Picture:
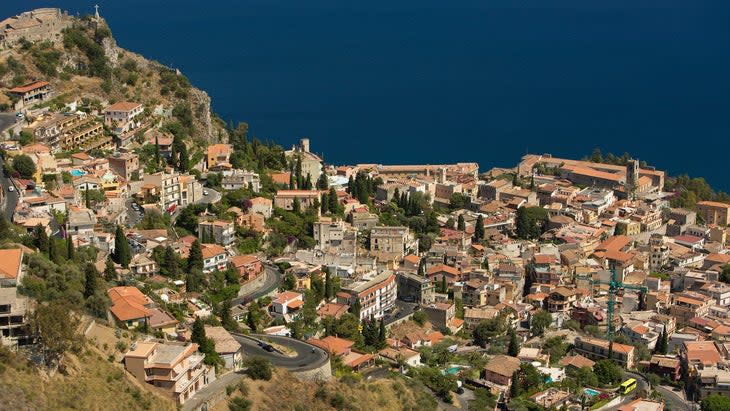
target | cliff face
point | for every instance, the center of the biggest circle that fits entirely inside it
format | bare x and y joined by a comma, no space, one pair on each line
85,62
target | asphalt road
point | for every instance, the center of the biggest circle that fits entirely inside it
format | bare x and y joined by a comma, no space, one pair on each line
212,197
10,198
272,280
673,400
308,356
6,121
133,216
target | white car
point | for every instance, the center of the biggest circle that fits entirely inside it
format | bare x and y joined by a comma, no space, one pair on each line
205,193
11,188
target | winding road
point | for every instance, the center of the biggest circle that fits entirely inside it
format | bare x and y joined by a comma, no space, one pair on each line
9,198
307,356
271,280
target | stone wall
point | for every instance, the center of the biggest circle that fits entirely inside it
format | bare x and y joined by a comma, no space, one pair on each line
34,25
321,373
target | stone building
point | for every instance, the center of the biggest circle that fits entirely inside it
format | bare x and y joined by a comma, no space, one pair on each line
34,25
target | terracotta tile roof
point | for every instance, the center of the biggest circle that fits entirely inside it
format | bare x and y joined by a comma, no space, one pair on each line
280,178
29,87
10,261
544,259
577,361
128,303
123,106
212,250
704,352
503,365
334,345
333,309
443,268
287,296
241,260
413,259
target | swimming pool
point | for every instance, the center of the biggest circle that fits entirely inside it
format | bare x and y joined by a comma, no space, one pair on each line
590,392
77,172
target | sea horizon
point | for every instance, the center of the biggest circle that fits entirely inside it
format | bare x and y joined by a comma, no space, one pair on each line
430,82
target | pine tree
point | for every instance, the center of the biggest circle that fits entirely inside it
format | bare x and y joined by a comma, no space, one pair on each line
70,250
40,239
460,224
91,282
110,273
122,252
195,257
479,229
198,332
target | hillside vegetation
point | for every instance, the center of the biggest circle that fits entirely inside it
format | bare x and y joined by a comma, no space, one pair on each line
88,382
87,64
285,393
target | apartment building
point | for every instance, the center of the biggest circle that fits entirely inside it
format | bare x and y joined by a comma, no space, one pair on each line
217,231
415,288
11,267
170,190
32,93
688,305
714,380
175,368
215,258
248,266
122,117
219,157
376,294
124,164
561,299
87,133
14,330
238,179
713,212
596,349
334,235
391,243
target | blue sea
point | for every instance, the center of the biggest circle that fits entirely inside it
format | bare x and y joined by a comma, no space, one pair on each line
442,81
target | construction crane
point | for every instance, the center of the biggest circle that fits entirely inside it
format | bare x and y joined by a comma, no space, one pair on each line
614,286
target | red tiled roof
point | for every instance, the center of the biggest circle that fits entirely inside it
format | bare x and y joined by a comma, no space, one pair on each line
29,87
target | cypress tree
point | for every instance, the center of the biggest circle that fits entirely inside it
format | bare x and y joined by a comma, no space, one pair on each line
172,266
460,224
381,334
323,204
514,344
53,251
322,183
41,239
296,205
184,161
157,152
70,251
198,332
91,282
328,286
334,203
514,388
308,182
195,258
355,308
122,252
479,229
444,287
110,273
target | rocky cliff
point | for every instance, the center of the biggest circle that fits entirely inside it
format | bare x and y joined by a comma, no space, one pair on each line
84,63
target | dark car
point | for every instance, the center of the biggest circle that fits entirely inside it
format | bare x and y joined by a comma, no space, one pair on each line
268,348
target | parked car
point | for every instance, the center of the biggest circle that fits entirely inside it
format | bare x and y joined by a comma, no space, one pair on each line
11,188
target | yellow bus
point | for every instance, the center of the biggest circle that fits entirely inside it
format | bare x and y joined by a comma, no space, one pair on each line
627,386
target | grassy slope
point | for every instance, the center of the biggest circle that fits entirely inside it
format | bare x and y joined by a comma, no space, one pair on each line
284,392
91,383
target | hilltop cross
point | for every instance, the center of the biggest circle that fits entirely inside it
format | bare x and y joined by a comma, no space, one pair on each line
96,14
